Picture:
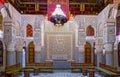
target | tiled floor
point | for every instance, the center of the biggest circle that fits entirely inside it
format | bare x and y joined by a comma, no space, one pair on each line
60,74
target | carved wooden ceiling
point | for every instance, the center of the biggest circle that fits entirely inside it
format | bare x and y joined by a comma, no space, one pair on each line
86,7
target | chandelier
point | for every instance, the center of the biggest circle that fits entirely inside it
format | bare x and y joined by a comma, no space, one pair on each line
58,17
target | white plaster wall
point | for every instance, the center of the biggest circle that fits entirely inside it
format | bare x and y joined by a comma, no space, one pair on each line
102,19
15,17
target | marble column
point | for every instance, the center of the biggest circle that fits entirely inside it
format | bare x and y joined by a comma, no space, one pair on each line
19,54
99,54
81,55
109,58
109,54
37,57
115,58
18,57
76,52
116,63
99,57
115,54
39,54
11,58
11,54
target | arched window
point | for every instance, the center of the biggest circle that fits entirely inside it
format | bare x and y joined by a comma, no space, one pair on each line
29,30
90,31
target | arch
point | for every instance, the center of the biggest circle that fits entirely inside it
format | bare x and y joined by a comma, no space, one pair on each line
29,31
31,52
87,52
90,31
119,53
1,53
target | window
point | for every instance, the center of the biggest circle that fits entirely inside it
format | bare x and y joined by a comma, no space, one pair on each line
29,31
90,31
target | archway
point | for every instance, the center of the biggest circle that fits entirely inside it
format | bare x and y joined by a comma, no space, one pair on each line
119,53
90,31
87,52
31,53
1,53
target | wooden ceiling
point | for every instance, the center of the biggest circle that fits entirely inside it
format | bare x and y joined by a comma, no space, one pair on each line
86,7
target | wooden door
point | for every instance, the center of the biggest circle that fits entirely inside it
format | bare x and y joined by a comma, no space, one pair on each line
31,52
87,53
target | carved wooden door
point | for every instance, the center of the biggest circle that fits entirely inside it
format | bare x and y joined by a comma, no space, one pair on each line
31,52
87,53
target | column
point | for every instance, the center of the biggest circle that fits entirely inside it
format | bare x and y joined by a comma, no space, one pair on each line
109,39
37,54
99,57
40,55
10,40
18,57
109,54
76,52
19,54
38,43
11,54
99,54
116,54
81,56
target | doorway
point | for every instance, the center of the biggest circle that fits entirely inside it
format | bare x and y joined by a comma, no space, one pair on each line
87,52
31,52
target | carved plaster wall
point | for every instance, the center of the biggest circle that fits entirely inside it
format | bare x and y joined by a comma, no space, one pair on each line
60,41
60,45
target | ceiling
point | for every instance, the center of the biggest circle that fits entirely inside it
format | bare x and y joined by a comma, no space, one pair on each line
40,6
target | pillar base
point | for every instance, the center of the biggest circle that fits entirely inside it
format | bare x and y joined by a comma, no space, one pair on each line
11,58
109,58
99,58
